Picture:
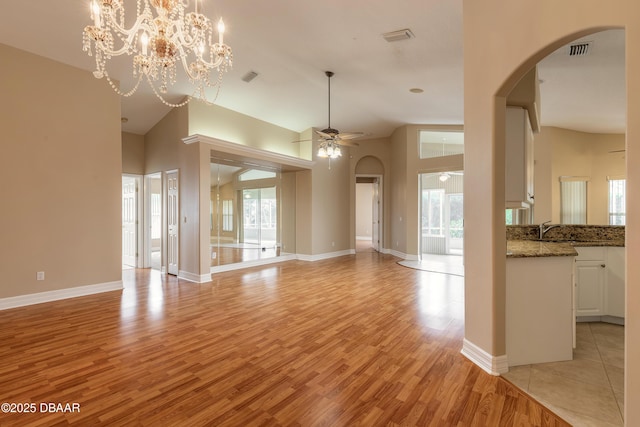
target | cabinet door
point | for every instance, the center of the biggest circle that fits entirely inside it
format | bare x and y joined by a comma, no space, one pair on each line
518,159
590,288
615,282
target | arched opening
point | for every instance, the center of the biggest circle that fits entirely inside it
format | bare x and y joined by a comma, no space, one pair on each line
369,233
570,152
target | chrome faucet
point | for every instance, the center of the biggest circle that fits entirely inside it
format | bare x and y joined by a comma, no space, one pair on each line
543,229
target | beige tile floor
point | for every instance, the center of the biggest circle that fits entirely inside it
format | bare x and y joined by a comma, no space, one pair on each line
588,390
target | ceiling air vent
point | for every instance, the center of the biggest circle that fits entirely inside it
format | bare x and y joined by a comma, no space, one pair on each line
579,49
395,36
249,76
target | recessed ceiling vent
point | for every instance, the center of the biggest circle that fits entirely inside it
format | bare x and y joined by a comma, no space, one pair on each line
579,49
395,36
249,76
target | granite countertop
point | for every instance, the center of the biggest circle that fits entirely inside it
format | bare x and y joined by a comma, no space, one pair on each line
583,243
543,248
536,248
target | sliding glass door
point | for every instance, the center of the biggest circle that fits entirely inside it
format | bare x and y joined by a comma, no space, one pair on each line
441,214
259,216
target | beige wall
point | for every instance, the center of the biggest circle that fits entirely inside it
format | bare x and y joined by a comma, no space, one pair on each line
330,201
62,172
221,123
132,153
288,212
304,212
564,152
502,41
163,142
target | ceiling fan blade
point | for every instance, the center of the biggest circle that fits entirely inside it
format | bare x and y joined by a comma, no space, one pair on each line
617,151
350,135
348,143
301,140
323,134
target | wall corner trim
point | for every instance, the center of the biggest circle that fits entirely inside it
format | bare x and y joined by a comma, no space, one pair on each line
59,294
494,365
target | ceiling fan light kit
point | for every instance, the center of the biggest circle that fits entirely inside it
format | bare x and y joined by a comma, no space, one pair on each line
158,42
331,138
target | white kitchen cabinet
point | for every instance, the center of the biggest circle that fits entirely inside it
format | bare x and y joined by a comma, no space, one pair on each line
600,282
590,288
614,295
518,159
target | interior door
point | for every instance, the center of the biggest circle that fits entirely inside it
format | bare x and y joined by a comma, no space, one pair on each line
375,216
129,221
173,222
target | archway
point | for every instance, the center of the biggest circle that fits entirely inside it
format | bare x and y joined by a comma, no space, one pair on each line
526,34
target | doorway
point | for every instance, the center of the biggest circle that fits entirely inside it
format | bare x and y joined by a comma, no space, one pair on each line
130,223
368,213
441,220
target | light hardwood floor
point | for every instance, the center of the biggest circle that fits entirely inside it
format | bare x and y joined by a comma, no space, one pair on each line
355,340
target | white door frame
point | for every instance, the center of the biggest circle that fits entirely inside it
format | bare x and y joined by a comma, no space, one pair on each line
138,215
379,245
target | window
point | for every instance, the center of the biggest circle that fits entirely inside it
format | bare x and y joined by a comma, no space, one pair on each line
510,217
573,200
440,144
227,215
617,201
432,208
253,174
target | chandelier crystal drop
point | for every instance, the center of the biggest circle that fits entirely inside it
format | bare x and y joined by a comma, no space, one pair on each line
158,42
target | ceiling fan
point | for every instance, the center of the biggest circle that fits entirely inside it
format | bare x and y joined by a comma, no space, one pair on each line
444,176
333,135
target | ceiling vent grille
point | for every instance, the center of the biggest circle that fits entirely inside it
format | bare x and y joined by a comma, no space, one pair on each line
395,36
579,49
249,76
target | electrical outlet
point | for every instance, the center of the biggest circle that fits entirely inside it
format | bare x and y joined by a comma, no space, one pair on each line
40,275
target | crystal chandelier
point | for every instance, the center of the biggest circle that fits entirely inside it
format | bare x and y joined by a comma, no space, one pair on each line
157,44
330,149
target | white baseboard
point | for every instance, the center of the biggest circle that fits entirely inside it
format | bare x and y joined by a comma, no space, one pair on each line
406,257
254,263
59,294
327,255
195,278
364,238
491,364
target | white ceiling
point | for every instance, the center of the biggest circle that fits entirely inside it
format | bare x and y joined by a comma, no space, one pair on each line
290,43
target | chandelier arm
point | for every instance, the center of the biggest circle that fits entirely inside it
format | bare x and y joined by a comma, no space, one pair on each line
131,33
219,58
146,15
188,40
